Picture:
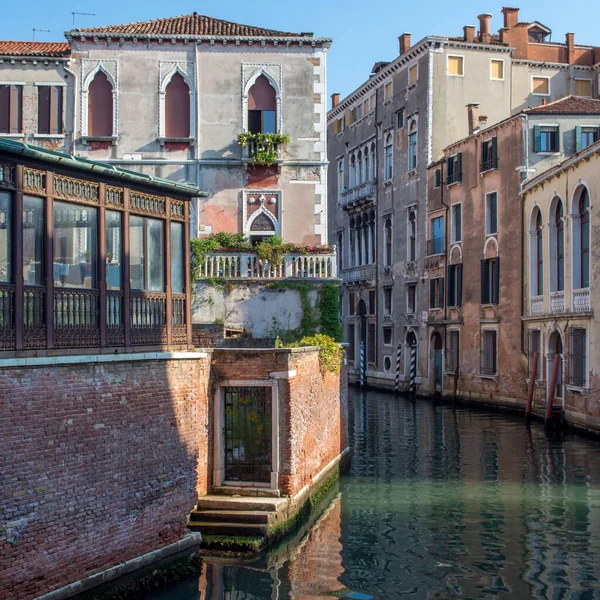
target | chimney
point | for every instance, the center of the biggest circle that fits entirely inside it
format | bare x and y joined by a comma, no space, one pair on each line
335,100
511,17
469,33
504,35
570,41
473,117
404,40
543,101
484,28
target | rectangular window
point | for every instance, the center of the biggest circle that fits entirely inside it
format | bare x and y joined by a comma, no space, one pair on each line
177,275
437,178
452,351
455,285
585,136
454,169
535,345
456,65
436,292
411,298
387,336
436,243
366,106
33,240
456,222
496,69
5,237
412,151
489,355
489,155
577,357
388,161
546,138
11,109
400,119
351,329
540,86
75,245
50,109
387,300
490,281
114,253
413,74
351,303
387,91
491,213
146,261
337,126
583,87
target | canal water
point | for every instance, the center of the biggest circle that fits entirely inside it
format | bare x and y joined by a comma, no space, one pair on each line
437,504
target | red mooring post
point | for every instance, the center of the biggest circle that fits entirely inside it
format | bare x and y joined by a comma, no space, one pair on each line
552,388
532,384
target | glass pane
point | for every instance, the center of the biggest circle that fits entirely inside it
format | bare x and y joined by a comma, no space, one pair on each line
177,279
75,245
254,123
5,237
33,240
269,121
155,275
497,69
114,235
136,252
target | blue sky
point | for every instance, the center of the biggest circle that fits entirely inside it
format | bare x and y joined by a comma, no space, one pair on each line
363,31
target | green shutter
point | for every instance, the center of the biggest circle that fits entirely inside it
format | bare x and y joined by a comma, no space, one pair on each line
459,286
577,138
496,298
458,167
482,157
597,134
441,292
558,139
431,293
451,287
484,286
494,152
537,138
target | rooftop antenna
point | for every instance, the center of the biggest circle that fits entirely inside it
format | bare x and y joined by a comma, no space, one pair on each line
39,31
82,14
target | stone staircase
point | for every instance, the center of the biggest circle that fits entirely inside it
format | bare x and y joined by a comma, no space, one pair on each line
237,516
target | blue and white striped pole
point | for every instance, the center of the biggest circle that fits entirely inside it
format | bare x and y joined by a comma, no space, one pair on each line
413,368
398,362
362,364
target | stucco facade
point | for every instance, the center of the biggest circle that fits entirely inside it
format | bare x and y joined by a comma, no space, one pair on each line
561,287
415,105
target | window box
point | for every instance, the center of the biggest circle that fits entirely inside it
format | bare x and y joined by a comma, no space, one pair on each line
176,140
263,148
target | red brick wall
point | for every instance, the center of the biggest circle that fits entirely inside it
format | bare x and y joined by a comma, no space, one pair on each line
100,464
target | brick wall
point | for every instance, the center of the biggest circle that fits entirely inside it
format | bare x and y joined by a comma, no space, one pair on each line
99,464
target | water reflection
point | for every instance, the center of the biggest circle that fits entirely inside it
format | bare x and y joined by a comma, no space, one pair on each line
438,504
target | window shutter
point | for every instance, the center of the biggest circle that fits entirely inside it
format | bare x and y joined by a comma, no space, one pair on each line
449,171
557,139
459,285
458,167
15,109
451,285
431,293
55,110
496,298
484,286
537,138
577,138
43,109
483,146
437,178
597,134
495,152
441,288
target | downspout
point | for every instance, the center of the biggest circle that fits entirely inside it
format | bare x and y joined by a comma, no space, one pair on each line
196,151
74,122
524,175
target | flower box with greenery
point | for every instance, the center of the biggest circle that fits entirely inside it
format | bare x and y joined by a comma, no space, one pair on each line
263,148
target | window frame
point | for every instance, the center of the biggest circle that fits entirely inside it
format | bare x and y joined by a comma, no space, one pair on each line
451,366
388,95
390,329
60,111
578,361
503,63
462,64
413,291
387,299
19,86
547,78
453,208
388,150
539,376
482,373
413,69
590,81
436,293
413,145
488,222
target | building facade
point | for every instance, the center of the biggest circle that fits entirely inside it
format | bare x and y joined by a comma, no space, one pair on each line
383,136
561,276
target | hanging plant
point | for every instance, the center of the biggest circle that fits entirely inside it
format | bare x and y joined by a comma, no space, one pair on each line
263,147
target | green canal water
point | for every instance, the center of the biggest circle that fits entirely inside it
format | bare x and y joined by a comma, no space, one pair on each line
437,503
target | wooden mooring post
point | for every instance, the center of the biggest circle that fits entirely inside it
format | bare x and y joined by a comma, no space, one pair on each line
531,390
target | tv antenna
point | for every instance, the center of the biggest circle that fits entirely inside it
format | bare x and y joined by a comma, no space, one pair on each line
39,31
81,14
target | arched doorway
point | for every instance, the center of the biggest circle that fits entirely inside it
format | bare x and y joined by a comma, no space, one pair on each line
555,347
437,364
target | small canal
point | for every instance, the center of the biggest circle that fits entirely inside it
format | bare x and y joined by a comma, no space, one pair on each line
438,503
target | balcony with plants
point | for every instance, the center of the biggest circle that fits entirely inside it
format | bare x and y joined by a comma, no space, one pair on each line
262,149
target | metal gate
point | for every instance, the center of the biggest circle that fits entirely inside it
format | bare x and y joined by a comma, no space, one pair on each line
247,434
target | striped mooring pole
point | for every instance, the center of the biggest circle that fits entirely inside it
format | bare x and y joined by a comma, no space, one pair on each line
362,364
413,368
398,359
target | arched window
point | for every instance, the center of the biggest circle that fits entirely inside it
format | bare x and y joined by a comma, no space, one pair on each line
373,240
412,146
177,108
387,231
262,107
352,243
340,250
388,156
100,107
352,171
581,239
412,236
359,240
537,254
560,247
367,165
373,165
360,168
341,188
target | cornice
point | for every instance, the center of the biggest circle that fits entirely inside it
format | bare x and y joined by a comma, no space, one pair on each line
540,63
46,60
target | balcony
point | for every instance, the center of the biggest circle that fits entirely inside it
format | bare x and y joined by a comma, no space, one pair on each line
435,246
356,274
536,306
557,302
363,194
581,300
248,265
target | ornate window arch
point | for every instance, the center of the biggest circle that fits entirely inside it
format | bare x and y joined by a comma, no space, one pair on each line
581,236
359,170
262,72
388,240
412,144
171,99
353,262
352,182
99,109
264,222
367,176
556,223
389,156
536,253
411,225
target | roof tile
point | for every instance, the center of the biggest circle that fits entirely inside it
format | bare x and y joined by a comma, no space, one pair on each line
43,49
571,105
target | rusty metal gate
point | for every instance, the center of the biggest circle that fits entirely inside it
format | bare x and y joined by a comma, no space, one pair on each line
247,434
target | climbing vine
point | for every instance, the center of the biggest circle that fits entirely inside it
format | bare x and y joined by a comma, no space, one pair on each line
329,307
331,353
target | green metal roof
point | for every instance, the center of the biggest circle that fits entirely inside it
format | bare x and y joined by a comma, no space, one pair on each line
85,164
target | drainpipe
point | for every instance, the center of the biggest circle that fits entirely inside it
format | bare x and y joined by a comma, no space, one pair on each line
74,121
525,160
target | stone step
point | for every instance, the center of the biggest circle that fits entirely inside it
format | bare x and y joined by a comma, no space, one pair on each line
255,492
230,529
233,516
240,504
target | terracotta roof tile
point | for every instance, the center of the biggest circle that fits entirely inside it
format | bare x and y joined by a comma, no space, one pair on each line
194,25
44,49
571,105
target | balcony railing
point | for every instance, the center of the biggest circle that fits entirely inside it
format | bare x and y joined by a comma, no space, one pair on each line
364,273
366,192
250,266
435,246
581,300
536,306
557,302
